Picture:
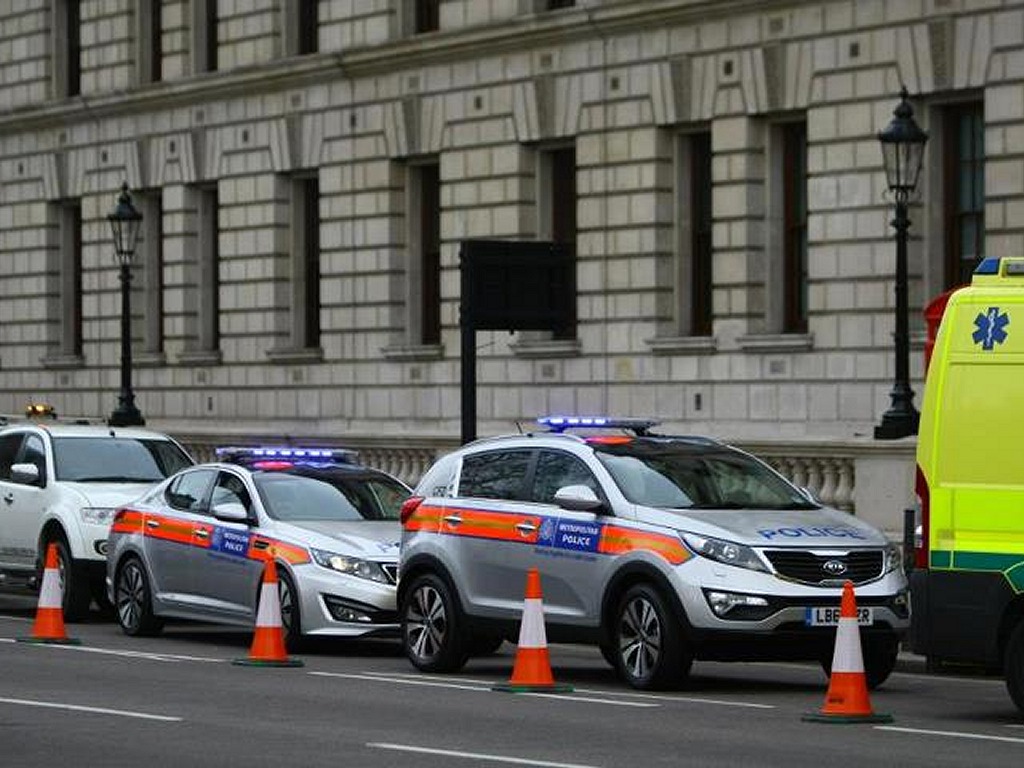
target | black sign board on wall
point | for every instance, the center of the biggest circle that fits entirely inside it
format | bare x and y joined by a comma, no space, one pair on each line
509,285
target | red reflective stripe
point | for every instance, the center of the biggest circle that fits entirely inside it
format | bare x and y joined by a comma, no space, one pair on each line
499,526
202,541
169,529
424,518
616,540
127,521
281,550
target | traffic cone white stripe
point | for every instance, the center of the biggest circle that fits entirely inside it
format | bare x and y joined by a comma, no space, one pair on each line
50,592
847,656
269,613
531,630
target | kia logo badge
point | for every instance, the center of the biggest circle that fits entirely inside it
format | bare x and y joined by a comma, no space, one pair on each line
834,567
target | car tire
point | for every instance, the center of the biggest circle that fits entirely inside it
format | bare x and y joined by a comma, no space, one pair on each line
133,600
98,588
1013,669
485,645
650,651
879,656
291,617
75,588
432,632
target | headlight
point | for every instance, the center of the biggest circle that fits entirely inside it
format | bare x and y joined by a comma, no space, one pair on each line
726,552
893,557
97,515
350,566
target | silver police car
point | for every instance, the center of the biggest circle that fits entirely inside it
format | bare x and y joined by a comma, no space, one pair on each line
658,549
195,546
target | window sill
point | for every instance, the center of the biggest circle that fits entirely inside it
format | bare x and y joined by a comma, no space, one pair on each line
410,353
546,348
682,345
300,355
200,357
150,359
63,362
776,342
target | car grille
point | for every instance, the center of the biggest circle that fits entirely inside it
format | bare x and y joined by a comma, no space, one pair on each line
391,571
858,566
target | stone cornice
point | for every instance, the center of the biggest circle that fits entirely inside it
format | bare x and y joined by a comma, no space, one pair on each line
528,31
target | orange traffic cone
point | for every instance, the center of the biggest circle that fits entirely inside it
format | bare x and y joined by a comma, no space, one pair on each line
847,698
532,670
49,624
268,642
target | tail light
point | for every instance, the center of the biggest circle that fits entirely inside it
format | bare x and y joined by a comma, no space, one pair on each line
409,506
921,533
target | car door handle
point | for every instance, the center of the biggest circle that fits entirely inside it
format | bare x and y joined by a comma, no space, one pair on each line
453,519
152,523
526,528
9,498
260,544
202,533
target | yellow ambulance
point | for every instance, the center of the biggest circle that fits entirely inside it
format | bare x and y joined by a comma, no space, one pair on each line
968,581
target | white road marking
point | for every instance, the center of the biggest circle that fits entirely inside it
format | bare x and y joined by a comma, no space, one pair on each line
950,734
475,756
16,618
600,692
172,657
380,678
95,710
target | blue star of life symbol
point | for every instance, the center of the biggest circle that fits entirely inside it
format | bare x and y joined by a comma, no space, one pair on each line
991,328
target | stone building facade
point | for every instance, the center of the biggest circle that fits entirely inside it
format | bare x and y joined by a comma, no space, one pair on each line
308,170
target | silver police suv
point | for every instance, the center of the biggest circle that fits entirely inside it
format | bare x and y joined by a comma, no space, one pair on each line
658,549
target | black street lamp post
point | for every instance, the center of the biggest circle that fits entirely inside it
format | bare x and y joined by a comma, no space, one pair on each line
902,152
124,223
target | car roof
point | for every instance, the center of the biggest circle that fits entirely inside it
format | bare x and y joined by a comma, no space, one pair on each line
326,469
70,429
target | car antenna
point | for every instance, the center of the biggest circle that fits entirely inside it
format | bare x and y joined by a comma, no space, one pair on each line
519,426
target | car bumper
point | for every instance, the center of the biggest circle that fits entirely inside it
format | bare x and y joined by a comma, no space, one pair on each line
345,606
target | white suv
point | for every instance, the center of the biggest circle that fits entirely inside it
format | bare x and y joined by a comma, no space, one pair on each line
60,483
658,549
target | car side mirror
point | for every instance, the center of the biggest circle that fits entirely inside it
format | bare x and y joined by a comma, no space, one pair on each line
578,498
231,511
25,474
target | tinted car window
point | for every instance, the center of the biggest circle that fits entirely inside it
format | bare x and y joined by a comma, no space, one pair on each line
230,489
495,474
34,452
9,445
556,470
291,497
113,459
679,477
188,492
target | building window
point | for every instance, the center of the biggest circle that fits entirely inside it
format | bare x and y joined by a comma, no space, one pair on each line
67,47
309,27
553,5
964,191
794,227
424,238
426,16
693,219
202,304
204,35
65,282
151,274
557,213
149,41
305,292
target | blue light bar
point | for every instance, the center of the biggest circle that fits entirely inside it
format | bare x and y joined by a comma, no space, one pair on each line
988,266
562,423
287,453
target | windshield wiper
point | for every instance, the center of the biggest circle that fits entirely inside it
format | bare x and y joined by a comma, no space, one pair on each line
114,479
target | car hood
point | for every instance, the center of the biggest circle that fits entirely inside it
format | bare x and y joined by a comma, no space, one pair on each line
811,528
108,494
372,539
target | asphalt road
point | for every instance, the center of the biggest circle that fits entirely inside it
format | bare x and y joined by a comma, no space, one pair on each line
176,700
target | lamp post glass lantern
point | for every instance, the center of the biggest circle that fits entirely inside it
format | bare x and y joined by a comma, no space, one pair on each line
125,220
902,154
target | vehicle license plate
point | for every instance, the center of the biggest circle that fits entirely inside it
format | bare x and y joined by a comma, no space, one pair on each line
829,617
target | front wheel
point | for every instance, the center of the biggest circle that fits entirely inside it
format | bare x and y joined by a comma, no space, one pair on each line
650,652
291,620
432,637
74,580
133,600
1014,666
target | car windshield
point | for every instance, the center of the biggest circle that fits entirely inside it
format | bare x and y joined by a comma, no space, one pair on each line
292,497
681,477
116,459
